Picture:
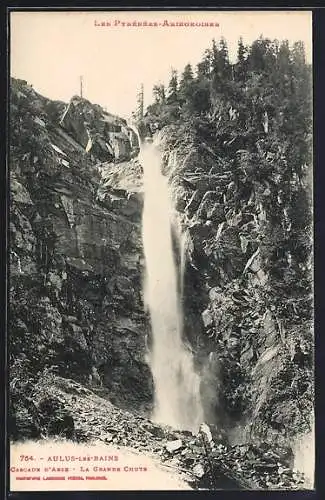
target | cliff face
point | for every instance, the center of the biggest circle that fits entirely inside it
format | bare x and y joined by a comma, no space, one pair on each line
76,267
75,258
102,134
248,281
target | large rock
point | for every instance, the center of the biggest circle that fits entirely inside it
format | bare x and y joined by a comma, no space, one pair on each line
172,446
19,193
207,318
209,207
100,133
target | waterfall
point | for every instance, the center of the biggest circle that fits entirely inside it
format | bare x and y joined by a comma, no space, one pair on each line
176,385
304,456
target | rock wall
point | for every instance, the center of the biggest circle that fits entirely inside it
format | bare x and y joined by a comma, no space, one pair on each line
248,293
75,260
102,134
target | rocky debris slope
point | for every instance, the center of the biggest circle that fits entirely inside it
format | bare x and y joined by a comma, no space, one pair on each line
75,259
204,460
248,293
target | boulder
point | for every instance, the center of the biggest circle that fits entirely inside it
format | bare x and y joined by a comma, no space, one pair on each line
19,193
194,203
215,294
100,133
198,470
207,318
155,430
199,231
207,205
172,446
108,438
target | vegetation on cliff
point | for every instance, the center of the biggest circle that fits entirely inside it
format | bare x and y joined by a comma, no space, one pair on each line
75,306
237,144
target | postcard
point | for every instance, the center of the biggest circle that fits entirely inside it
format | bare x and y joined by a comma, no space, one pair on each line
160,331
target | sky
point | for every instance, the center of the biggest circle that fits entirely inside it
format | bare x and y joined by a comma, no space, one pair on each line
51,50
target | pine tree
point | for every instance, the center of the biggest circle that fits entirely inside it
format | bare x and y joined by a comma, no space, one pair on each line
256,59
186,80
204,67
187,75
241,65
299,57
140,103
224,64
159,93
173,87
221,70
283,58
215,58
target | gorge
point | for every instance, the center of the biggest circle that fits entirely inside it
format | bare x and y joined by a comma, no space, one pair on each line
155,287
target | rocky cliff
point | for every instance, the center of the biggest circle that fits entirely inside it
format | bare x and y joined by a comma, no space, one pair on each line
75,252
248,291
102,134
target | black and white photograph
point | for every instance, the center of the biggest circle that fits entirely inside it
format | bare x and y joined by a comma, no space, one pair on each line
160,245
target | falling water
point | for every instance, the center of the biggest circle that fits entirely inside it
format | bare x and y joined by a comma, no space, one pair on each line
176,385
304,456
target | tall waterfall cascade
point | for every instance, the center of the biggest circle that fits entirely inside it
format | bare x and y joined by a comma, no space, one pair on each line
176,384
